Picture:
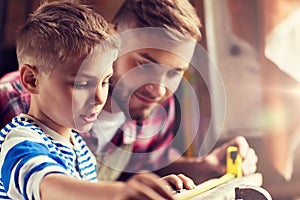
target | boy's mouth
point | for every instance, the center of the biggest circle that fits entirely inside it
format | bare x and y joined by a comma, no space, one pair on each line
90,118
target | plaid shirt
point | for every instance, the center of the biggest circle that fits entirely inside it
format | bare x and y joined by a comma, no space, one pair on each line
14,98
152,142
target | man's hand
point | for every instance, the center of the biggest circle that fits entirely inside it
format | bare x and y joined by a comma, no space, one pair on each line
217,158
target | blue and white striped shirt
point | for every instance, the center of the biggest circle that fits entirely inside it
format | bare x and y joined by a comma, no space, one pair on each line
30,150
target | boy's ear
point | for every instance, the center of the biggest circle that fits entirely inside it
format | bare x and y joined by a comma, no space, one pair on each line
113,26
28,75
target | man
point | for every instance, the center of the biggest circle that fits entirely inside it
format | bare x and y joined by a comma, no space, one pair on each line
139,118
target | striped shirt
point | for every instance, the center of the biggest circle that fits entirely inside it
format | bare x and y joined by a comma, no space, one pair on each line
29,150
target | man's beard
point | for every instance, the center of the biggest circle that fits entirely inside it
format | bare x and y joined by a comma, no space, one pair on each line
122,96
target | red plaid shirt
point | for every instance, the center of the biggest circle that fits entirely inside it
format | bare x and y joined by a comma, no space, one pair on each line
14,98
151,148
152,145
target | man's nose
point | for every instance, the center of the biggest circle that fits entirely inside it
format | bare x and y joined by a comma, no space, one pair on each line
157,90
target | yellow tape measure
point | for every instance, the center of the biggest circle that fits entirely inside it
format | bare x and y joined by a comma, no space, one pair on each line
233,169
234,162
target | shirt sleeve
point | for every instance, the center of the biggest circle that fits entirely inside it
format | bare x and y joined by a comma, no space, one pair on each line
24,161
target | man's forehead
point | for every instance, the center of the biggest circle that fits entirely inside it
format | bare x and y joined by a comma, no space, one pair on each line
162,57
156,39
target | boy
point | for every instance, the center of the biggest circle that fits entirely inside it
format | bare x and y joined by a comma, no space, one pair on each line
65,53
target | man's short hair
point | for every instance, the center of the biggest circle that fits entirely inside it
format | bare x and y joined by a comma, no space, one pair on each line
173,15
60,31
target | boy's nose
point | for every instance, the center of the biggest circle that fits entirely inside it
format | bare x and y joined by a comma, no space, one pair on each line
156,90
99,96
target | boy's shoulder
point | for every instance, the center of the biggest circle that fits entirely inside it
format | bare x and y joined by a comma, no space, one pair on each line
21,124
22,120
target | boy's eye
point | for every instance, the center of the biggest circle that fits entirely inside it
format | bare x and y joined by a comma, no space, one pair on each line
146,65
173,73
149,66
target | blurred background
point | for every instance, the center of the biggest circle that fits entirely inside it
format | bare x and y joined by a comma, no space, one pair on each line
256,46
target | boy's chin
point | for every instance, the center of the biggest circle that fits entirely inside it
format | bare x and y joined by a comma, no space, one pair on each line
84,129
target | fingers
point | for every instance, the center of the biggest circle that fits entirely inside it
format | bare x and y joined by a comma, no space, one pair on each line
147,186
180,182
242,145
187,182
157,186
175,183
249,165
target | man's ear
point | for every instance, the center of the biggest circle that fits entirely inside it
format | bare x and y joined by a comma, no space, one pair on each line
28,75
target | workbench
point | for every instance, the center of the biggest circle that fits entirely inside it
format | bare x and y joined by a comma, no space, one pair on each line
226,191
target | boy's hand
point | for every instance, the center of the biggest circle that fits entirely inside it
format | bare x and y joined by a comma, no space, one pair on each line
146,186
179,182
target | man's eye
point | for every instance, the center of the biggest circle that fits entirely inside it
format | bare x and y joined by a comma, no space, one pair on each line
105,83
81,85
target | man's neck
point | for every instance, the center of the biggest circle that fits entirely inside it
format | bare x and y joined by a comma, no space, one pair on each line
111,105
107,106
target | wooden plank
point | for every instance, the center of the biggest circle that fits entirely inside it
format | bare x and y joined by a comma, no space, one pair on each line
225,191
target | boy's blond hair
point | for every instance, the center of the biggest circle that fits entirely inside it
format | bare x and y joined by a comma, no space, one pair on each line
173,15
61,31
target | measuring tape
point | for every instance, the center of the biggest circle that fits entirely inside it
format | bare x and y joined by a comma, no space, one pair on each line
233,169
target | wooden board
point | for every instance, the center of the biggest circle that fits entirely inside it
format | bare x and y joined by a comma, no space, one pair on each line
225,191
